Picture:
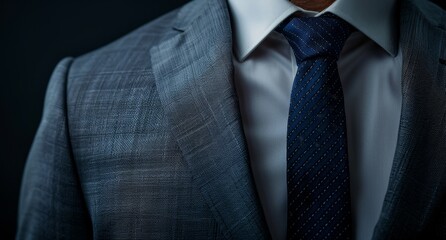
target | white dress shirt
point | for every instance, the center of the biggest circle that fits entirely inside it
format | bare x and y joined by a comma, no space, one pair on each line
370,71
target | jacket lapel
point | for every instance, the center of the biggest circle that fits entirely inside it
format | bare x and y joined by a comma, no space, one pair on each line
417,184
194,77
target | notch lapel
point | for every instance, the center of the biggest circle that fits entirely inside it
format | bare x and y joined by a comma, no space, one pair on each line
417,184
194,78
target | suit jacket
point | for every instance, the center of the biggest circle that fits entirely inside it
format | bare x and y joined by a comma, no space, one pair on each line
143,138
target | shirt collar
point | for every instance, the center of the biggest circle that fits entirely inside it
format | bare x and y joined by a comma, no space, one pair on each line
253,20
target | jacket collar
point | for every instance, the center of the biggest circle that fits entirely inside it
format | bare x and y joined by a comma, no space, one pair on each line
194,77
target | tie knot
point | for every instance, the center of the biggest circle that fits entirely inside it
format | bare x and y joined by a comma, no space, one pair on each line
314,37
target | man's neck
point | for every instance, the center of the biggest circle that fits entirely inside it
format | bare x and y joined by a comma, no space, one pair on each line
313,5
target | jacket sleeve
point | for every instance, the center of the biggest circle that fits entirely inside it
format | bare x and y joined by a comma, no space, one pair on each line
51,203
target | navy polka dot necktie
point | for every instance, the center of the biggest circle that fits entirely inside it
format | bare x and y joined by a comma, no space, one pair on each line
317,163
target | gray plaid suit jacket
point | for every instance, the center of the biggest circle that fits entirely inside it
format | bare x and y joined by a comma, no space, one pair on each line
142,139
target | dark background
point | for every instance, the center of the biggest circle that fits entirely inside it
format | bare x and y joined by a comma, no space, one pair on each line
34,36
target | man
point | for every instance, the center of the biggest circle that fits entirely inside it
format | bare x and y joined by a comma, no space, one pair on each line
184,128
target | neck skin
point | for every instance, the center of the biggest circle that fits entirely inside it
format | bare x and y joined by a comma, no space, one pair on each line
313,5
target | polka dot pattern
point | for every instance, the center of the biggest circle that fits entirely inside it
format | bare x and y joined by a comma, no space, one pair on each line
317,164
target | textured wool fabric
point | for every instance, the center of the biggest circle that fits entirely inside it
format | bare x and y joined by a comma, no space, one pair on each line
132,147
142,138
318,182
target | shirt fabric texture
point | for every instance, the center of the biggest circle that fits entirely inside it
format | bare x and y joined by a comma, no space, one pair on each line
370,68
